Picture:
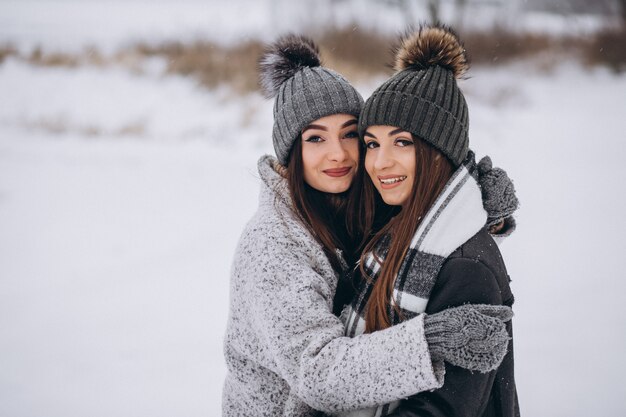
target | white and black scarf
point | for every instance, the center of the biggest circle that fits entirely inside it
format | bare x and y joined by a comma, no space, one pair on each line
455,217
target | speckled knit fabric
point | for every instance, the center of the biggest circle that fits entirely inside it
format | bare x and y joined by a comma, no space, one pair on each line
285,350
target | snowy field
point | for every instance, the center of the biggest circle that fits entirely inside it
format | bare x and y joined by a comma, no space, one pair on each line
122,197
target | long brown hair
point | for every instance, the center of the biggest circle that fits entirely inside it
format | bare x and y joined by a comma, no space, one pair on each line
335,220
432,172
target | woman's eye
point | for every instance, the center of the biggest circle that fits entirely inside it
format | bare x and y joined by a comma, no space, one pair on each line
352,135
371,145
314,139
404,142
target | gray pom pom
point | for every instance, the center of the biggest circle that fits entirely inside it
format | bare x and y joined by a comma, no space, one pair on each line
282,59
429,46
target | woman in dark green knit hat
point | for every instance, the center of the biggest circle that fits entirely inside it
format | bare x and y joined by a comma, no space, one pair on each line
436,251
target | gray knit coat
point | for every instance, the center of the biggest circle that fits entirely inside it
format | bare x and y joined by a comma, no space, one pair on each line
285,351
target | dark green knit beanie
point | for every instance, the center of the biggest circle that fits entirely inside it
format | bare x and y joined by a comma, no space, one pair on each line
290,70
423,97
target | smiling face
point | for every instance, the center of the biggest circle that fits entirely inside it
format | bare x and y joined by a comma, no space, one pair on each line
390,162
330,153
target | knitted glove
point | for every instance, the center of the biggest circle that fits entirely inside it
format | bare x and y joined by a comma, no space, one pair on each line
472,336
499,197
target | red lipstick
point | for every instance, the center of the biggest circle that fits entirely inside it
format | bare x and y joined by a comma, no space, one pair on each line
337,172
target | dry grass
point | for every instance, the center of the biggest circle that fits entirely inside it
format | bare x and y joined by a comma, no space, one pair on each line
359,54
55,59
210,64
608,48
500,46
60,125
7,51
356,53
90,56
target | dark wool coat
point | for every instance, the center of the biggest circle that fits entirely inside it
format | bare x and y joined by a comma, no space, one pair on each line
474,273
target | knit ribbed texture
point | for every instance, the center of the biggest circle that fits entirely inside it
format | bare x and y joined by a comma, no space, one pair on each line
498,192
477,329
312,93
427,103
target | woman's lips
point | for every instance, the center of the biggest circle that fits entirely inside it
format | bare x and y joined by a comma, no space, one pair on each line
337,172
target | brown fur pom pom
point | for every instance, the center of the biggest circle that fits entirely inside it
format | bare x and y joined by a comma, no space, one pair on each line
429,46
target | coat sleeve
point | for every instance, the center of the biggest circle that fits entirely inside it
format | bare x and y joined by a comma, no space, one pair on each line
305,343
464,394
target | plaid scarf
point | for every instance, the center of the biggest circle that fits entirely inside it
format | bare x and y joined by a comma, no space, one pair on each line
455,217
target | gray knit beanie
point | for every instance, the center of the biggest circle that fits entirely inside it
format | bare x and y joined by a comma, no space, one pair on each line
423,97
290,70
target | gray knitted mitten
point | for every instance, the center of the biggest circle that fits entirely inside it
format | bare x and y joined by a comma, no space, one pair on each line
472,336
499,197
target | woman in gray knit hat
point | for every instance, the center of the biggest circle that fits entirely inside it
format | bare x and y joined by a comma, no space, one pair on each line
285,350
436,251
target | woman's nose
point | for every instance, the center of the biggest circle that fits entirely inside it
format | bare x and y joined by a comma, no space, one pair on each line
337,152
382,159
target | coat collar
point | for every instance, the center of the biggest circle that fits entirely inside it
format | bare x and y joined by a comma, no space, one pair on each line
272,174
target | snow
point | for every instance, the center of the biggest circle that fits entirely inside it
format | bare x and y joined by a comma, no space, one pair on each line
565,148
122,195
112,101
108,25
114,274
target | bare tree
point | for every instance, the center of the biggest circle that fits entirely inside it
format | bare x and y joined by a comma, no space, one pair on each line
461,6
405,9
433,10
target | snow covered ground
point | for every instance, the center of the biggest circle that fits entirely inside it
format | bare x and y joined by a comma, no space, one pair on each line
122,197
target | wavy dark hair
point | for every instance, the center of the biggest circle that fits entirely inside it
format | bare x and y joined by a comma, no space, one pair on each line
336,221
